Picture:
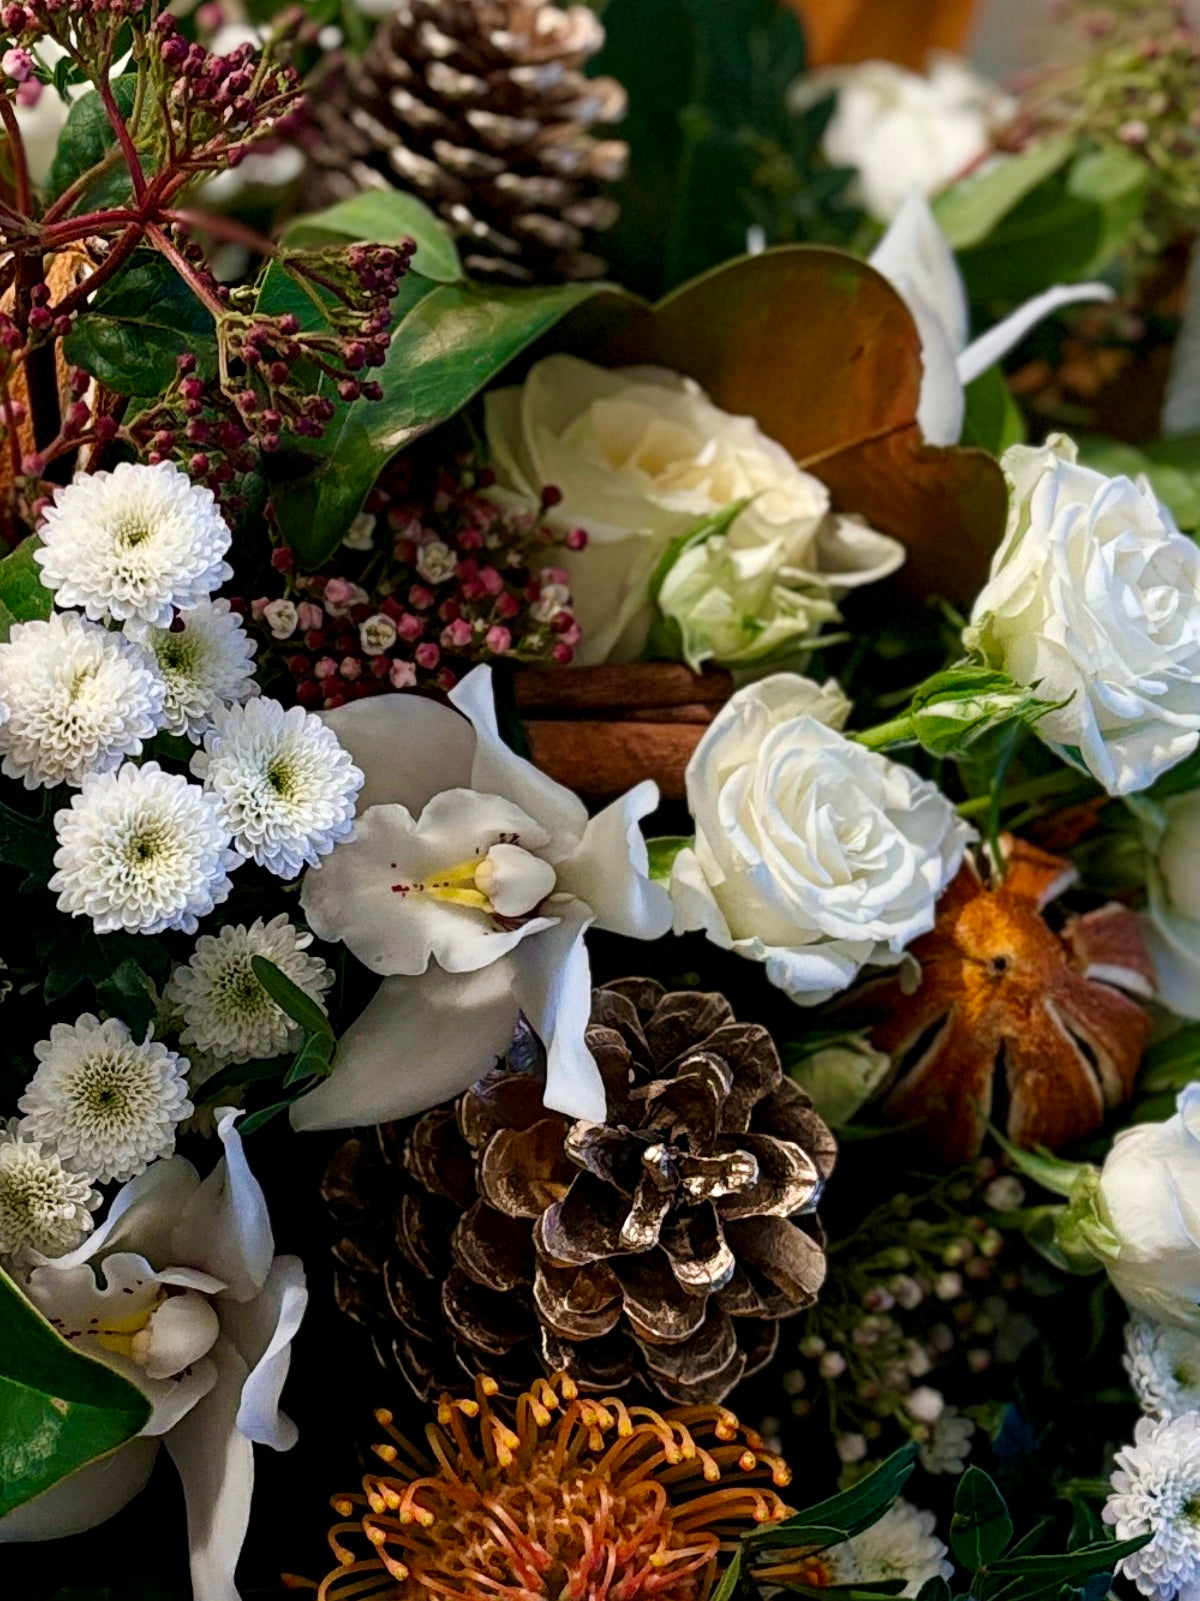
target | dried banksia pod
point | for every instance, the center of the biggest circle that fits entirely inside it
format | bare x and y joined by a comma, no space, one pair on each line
558,1496
654,1252
481,109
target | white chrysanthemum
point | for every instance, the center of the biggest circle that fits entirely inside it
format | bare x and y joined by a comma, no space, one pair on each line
1156,1490
141,850
226,1014
135,542
43,1207
1163,1363
78,700
205,661
107,1104
949,1443
901,1545
285,785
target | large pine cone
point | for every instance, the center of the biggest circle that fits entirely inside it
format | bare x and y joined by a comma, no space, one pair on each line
480,108
656,1251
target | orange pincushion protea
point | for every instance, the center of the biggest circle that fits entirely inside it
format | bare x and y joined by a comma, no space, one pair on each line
1000,990
576,1498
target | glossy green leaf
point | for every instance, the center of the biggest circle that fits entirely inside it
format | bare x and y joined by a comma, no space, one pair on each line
993,420
981,1529
1029,1578
455,340
970,209
383,216
290,998
88,145
843,1515
22,593
59,1409
138,326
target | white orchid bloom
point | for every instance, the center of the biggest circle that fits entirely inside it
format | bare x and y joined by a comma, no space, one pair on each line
469,885
916,260
181,1292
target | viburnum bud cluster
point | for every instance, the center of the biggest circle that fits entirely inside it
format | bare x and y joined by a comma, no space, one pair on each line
463,581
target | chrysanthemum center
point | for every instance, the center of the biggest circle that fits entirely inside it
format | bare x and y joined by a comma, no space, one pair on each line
131,531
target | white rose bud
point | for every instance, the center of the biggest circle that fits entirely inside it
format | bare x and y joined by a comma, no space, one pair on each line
905,130
1094,597
812,853
1149,1196
641,456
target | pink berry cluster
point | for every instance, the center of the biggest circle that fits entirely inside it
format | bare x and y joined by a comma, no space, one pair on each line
431,579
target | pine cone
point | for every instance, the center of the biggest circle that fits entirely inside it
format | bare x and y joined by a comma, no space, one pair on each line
480,108
654,1252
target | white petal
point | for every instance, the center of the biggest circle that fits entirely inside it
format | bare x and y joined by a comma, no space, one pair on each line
263,1330
851,554
610,869
915,249
553,987
183,1329
497,770
420,1041
85,1499
142,1215
216,1464
408,746
985,351
224,1228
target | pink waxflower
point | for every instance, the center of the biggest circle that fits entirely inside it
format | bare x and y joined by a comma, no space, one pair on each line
403,675
17,64
310,616
499,640
457,635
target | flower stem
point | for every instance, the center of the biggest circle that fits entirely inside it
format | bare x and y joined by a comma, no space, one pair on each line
1056,783
884,736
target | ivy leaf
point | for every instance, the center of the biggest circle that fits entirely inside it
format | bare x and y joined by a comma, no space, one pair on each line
59,1409
137,327
22,593
981,1529
88,146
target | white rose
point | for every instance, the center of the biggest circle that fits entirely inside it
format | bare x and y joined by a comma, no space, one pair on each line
1171,832
1094,597
812,854
905,130
641,456
1150,1195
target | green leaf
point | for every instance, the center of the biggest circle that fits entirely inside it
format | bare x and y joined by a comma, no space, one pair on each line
1034,1577
88,144
290,998
59,1409
452,343
130,994
1172,466
662,853
1171,1064
137,327
22,593
731,1578
981,1529
844,1515
935,1589
29,844
720,522
970,209
951,710
993,420
383,216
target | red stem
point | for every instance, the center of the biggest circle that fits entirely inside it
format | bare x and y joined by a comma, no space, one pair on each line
132,159
186,271
223,228
24,189
117,257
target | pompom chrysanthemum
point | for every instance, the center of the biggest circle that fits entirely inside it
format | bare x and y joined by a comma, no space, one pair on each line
285,786
901,1545
135,542
225,1012
43,1207
1156,1491
107,1104
141,850
1163,1363
78,700
205,661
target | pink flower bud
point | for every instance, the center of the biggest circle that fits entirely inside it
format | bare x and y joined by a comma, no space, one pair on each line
403,675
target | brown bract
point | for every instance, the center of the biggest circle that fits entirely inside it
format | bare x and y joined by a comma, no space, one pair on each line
656,1251
1003,997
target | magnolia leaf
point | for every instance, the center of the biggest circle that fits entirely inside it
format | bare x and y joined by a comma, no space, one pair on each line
382,216
820,349
59,1409
981,1529
22,593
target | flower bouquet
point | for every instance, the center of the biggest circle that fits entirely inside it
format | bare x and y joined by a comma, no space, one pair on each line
600,749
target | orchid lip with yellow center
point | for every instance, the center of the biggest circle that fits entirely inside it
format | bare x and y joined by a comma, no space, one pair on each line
506,882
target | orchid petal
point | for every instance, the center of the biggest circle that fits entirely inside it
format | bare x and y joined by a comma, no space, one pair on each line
610,869
988,349
553,987
497,770
216,1465
408,747
263,1330
224,1227
419,1041
914,250
142,1214
85,1499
